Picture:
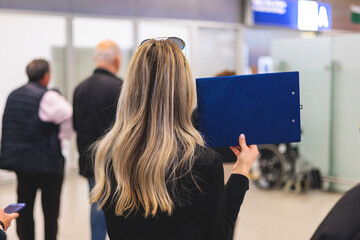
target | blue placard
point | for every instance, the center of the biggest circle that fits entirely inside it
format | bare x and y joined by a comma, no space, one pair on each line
302,15
265,107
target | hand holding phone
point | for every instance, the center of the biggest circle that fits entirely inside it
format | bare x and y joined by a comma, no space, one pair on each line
12,208
8,214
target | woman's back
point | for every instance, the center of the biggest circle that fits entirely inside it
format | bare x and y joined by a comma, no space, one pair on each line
209,213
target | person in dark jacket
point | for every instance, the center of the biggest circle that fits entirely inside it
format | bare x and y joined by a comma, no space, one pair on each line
34,122
95,101
5,222
343,221
155,180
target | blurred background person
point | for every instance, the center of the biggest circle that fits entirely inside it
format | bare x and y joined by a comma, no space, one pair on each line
225,73
154,177
5,222
95,101
35,120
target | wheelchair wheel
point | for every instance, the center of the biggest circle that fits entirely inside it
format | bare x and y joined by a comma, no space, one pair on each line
268,170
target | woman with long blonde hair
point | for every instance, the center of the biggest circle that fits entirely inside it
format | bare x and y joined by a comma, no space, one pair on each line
154,177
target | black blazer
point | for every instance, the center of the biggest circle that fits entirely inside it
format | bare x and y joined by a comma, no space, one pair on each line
343,221
95,101
2,235
209,214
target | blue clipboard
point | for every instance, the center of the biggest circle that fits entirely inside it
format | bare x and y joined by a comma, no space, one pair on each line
265,107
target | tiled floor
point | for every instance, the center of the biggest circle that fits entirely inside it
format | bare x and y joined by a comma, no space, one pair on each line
265,215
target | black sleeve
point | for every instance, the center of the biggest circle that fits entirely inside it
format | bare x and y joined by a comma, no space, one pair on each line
221,204
2,235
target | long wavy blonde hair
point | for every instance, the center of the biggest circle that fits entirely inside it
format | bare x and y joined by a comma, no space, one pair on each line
152,142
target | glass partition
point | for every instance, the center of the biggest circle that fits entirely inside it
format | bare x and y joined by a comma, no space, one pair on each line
328,69
345,51
216,51
311,57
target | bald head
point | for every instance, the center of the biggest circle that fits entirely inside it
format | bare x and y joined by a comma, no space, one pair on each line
107,55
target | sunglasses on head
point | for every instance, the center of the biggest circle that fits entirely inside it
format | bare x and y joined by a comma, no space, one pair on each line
178,41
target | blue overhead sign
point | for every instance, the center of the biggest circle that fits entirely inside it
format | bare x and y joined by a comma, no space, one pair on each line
302,14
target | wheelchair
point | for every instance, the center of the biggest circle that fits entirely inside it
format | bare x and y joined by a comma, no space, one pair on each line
280,166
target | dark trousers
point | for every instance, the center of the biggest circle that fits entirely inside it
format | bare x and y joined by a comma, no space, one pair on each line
50,186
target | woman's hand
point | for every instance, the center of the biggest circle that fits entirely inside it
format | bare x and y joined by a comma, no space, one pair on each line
246,156
7,218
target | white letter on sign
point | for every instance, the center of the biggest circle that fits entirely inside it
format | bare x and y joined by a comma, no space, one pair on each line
323,17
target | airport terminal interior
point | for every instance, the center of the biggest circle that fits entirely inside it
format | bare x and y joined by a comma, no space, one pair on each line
293,185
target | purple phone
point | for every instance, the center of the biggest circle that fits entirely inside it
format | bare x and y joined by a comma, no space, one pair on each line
15,207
